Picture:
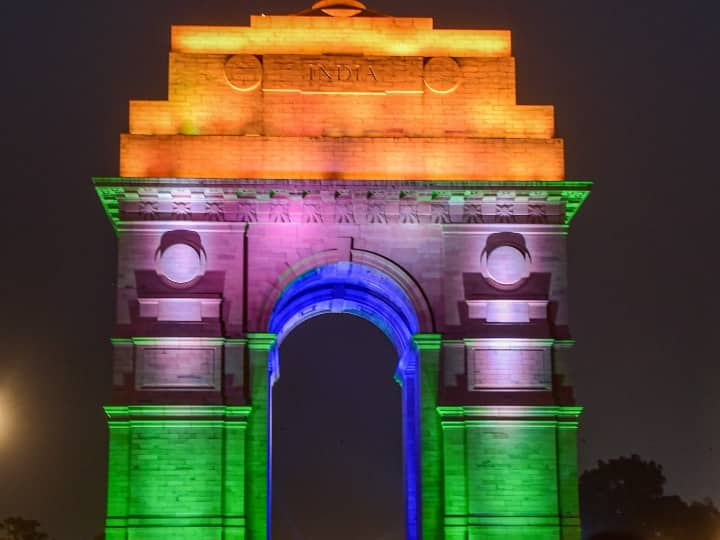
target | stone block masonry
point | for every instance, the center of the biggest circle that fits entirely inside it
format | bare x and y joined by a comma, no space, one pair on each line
372,98
342,158
342,161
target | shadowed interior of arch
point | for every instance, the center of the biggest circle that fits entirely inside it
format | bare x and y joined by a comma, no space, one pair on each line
337,470
362,291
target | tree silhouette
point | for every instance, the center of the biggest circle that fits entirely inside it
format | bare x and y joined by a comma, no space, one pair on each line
17,528
615,536
623,499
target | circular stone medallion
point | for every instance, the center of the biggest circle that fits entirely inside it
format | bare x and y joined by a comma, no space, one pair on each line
442,75
507,265
243,72
180,264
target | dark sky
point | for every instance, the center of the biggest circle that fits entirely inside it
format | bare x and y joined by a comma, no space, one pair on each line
635,85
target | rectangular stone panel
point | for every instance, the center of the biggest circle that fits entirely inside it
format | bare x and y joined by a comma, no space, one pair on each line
509,369
180,309
507,311
342,74
367,158
168,368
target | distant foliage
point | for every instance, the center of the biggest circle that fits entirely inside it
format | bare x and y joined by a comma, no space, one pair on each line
614,536
17,528
623,499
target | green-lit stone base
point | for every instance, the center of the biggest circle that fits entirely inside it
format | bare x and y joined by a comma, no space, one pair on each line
510,472
504,528
176,472
167,532
163,529
200,472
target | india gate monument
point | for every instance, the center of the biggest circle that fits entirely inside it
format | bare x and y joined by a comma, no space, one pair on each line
340,160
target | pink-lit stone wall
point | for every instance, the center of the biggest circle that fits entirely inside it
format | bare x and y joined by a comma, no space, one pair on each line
242,255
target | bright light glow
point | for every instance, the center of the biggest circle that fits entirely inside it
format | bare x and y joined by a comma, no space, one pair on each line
378,36
5,417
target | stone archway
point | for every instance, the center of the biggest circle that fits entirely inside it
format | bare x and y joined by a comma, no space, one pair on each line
358,289
352,288
380,291
421,197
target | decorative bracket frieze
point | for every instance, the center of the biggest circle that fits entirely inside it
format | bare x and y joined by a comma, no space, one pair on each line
387,202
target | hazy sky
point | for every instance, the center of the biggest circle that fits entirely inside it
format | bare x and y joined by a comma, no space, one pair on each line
635,86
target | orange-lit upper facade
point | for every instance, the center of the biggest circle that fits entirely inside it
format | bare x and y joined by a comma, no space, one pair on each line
341,92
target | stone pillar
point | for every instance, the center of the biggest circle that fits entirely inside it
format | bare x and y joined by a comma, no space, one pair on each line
258,436
235,453
455,489
568,497
118,480
510,472
428,346
234,503
507,408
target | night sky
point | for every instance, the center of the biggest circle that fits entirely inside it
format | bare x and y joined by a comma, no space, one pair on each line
635,86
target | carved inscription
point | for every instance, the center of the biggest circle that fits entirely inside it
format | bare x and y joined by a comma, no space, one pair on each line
342,74
174,368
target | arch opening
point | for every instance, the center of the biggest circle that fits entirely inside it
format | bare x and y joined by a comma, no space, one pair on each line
356,289
337,447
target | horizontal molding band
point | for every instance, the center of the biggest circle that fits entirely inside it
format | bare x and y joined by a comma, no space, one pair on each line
504,521
291,183
510,411
176,424
509,343
228,204
188,413
427,342
261,341
148,341
175,521
512,423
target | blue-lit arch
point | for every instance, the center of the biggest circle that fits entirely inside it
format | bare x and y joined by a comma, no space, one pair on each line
357,289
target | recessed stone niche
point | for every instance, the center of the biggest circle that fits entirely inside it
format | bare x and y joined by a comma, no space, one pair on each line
509,369
180,259
178,368
506,260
